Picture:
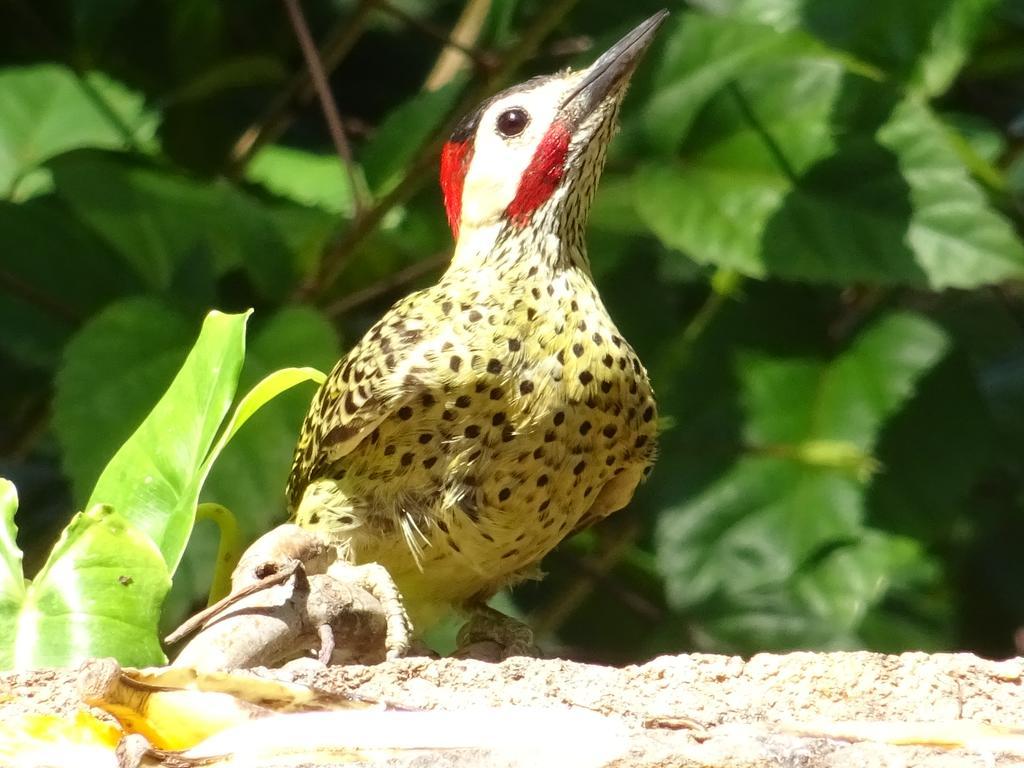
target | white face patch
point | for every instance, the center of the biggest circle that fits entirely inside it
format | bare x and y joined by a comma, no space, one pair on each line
499,161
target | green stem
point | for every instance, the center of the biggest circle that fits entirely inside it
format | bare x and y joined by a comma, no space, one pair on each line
229,548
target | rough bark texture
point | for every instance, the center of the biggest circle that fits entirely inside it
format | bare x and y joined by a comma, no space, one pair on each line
768,710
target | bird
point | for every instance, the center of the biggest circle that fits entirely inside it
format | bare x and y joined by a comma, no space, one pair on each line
484,419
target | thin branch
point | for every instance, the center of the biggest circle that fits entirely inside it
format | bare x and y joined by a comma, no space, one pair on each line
453,56
463,44
298,90
327,102
28,293
393,282
336,260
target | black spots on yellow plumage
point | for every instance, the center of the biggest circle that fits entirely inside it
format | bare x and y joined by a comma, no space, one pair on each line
497,393
525,387
475,316
648,413
425,438
498,419
542,481
585,427
427,400
609,431
455,363
607,361
578,469
606,386
472,431
448,415
494,365
577,349
514,345
504,494
407,458
586,377
350,403
405,412
463,401
429,462
338,434
558,418
389,450
640,442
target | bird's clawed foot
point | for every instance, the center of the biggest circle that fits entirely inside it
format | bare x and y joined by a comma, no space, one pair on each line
376,580
490,635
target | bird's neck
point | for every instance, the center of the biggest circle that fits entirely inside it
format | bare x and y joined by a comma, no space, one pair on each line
547,244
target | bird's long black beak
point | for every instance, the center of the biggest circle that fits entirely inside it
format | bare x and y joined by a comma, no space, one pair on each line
614,67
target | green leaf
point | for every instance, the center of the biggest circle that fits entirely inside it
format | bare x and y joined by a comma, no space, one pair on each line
114,369
249,475
404,131
269,388
304,177
47,292
155,477
156,219
12,577
923,43
236,72
803,171
702,55
98,594
47,109
777,529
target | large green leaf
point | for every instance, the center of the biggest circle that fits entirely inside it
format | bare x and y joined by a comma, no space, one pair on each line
806,171
47,109
156,219
12,577
782,535
701,56
155,478
249,475
48,292
304,177
98,594
924,42
114,370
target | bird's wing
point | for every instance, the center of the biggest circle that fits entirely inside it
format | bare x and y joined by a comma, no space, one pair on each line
377,377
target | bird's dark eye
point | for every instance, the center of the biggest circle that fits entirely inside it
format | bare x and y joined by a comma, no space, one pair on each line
513,121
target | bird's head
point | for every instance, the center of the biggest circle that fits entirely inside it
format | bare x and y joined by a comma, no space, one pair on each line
524,154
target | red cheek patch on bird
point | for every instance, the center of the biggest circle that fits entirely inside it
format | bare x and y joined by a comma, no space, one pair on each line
455,157
542,176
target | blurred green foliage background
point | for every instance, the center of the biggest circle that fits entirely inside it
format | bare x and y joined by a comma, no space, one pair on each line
809,227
